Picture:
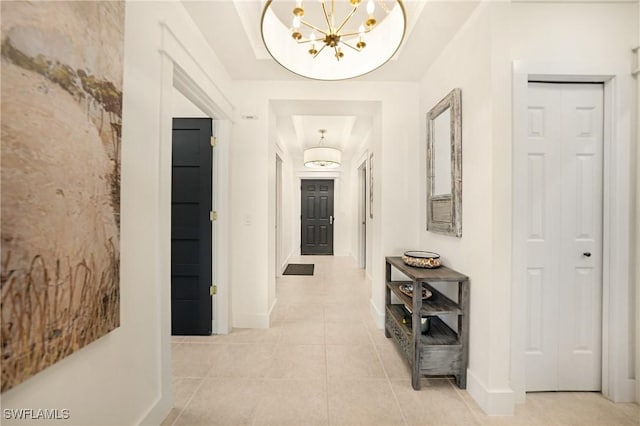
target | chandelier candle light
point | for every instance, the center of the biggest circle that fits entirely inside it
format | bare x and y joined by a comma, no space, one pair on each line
333,39
322,156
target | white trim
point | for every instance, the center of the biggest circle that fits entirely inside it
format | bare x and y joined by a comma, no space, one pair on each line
211,96
494,402
285,262
163,251
158,411
376,314
278,213
616,384
271,309
361,203
222,227
180,70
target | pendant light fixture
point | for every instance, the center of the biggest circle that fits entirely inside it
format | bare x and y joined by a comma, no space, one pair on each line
322,156
333,39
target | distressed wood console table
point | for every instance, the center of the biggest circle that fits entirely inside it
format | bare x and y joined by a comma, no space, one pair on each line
441,350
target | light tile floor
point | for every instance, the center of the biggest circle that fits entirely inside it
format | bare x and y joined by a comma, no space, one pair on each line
323,362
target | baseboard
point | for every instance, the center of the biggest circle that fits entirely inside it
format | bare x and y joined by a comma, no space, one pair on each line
378,316
285,263
494,402
271,309
158,411
243,320
626,391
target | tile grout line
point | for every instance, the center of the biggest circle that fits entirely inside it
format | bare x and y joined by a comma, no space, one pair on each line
386,374
458,392
186,404
326,365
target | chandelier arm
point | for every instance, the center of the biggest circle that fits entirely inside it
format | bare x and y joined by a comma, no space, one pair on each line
326,17
337,55
313,27
348,45
346,19
351,34
321,49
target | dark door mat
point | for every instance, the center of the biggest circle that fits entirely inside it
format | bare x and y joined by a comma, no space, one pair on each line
299,269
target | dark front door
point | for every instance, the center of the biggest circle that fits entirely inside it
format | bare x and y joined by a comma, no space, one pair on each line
317,217
191,227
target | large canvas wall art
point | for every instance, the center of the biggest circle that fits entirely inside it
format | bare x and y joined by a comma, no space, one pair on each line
61,87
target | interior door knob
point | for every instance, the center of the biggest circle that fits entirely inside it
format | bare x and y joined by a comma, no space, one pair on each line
586,254
330,220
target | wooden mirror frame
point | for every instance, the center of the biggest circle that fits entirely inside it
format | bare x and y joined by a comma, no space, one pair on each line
444,211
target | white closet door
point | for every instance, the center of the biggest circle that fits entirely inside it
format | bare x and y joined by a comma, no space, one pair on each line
564,236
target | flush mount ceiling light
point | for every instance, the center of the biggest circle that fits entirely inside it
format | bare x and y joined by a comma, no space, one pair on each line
322,156
333,39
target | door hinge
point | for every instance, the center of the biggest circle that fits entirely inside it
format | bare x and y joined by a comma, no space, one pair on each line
214,141
213,215
213,290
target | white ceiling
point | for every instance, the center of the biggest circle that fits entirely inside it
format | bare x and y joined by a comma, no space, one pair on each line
232,28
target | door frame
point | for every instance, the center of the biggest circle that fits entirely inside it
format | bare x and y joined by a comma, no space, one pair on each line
182,82
278,224
362,214
616,321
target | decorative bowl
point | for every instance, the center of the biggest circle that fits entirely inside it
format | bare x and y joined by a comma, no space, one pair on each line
407,289
421,259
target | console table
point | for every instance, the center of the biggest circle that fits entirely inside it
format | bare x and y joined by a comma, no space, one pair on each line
441,350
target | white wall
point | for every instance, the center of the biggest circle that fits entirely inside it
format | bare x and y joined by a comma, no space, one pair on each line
587,38
471,50
125,377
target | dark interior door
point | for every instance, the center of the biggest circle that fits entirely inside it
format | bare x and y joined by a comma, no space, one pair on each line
191,253
317,217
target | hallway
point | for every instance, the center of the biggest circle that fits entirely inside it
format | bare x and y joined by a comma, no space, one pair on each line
323,362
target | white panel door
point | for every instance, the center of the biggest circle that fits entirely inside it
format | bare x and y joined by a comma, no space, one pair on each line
563,236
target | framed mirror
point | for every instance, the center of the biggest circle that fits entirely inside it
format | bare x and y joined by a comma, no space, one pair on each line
444,166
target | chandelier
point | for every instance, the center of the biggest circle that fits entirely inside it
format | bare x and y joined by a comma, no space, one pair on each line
322,156
333,39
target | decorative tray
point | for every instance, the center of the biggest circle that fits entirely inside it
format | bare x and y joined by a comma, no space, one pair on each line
408,290
421,259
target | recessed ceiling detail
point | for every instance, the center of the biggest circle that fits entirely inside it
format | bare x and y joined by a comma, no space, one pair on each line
232,29
333,39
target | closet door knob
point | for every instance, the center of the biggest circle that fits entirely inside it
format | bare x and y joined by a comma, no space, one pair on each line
586,254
